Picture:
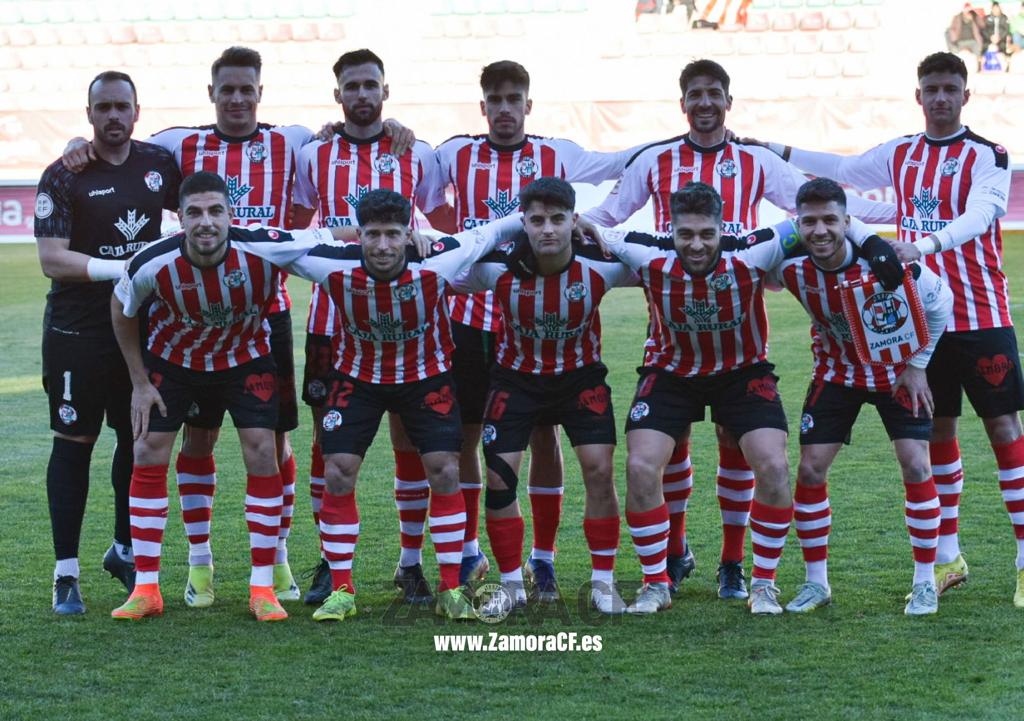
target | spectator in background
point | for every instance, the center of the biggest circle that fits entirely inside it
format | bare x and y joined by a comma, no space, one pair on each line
997,39
1017,29
965,32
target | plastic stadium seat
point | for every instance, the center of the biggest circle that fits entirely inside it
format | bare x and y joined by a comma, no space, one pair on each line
186,10
456,27
860,43
573,6
826,68
758,22
32,58
45,35
122,34
854,68
483,26
471,50
211,10
314,8
252,33
439,7
70,34
96,34
288,9
648,23
791,4
511,28
83,12
162,11
545,6
763,4
722,45
833,43
330,31
58,12
341,9
148,33
799,69
493,7
278,32
303,31
262,9
805,44
784,22
33,12
812,22
819,3
866,19
751,45
776,44
845,3
464,7
839,20
519,6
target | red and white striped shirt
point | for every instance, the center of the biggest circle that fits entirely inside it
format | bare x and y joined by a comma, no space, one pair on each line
259,170
835,356
551,324
332,177
210,319
936,181
396,331
742,175
703,325
487,179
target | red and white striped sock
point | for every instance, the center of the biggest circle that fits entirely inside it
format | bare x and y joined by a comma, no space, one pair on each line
471,497
546,506
447,529
339,533
812,516
288,473
923,516
197,483
677,485
948,473
263,517
735,494
412,497
147,506
649,530
506,537
602,536
1010,460
769,526
316,485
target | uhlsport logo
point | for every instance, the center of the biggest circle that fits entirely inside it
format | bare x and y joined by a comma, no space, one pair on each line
885,313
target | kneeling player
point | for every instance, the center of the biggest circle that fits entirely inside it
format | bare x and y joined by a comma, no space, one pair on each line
393,356
549,371
894,383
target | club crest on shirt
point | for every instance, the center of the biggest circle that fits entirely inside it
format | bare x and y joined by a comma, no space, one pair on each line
385,164
257,152
153,180
332,421
526,167
44,206
68,415
727,169
951,166
575,292
405,292
720,282
235,279
885,312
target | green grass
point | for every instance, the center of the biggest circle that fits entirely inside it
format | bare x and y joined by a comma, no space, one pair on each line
703,659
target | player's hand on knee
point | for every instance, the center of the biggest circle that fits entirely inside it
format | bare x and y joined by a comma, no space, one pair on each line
914,382
78,153
143,400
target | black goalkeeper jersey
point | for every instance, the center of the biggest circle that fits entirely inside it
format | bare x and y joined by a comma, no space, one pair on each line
106,211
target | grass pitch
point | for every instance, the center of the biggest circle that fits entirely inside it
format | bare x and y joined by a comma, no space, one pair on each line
705,658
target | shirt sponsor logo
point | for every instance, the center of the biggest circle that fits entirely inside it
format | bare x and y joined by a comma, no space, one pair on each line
924,202
550,327
120,251
337,221
923,225
131,225
385,327
471,223
102,191
504,205
44,206
236,189
353,199
153,180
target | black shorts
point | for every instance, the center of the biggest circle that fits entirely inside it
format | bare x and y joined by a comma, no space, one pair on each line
428,409
208,412
985,364
741,400
830,411
579,400
85,379
248,393
471,366
316,374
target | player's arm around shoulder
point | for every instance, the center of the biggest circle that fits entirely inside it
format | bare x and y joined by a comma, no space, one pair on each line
453,254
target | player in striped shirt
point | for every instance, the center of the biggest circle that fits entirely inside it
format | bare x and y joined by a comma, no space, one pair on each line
208,338
707,347
548,369
951,189
394,355
743,175
487,172
842,383
333,175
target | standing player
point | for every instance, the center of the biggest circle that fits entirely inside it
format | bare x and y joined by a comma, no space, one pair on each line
332,177
842,384
209,339
487,172
742,175
951,188
548,366
394,356
86,226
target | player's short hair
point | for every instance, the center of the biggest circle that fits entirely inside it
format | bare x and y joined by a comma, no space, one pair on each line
942,63
697,199
201,182
110,76
383,206
703,68
357,57
549,191
237,57
821,190
501,71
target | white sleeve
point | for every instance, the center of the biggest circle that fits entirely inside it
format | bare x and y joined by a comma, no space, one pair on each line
986,203
305,193
865,171
133,290
633,255
479,276
629,195
591,166
473,245
170,139
768,254
297,135
290,254
858,232
937,299
430,188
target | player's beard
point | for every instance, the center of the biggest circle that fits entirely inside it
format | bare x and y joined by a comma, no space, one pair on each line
122,137
364,116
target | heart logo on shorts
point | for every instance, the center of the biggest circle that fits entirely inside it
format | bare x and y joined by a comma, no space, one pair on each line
594,400
764,387
441,401
261,386
903,398
156,379
994,369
